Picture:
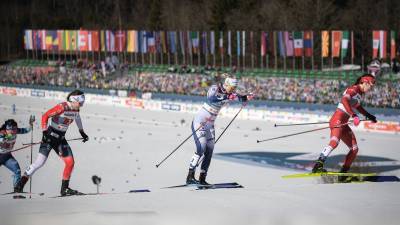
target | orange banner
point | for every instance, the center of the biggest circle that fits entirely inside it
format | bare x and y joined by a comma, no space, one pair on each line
325,43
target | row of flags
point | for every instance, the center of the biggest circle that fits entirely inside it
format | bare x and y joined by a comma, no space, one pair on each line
334,44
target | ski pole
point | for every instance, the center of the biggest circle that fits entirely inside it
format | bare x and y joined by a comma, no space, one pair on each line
201,125
27,145
303,132
229,123
31,120
297,124
35,143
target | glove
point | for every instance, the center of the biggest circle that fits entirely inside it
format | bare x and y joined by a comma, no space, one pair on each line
232,96
84,136
250,96
356,120
46,136
371,117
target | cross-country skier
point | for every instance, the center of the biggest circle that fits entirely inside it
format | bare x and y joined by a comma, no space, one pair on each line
8,137
62,115
217,96
339,129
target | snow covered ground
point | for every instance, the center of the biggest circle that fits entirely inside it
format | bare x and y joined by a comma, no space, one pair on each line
125,145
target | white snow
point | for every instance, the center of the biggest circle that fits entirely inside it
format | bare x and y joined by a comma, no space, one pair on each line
125,145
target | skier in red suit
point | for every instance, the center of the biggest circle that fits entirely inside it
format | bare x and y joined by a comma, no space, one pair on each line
340,130
62,115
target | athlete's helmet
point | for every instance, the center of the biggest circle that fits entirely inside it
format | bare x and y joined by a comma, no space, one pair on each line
9,125
231,81
76,96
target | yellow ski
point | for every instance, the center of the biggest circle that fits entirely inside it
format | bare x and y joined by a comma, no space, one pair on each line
302,175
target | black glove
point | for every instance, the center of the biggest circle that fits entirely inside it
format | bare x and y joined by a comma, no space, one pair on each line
46,136
371,117
84,136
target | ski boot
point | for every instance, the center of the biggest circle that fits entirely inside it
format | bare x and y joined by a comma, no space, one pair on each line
202,179
66,191
19,188
190,178
344,179
319,166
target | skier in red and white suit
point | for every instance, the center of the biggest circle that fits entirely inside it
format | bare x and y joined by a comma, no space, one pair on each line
62,115
340,130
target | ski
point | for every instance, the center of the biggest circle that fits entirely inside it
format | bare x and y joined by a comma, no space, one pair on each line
22,193
303,175
139,191
19,197
63,196
214,186
199,185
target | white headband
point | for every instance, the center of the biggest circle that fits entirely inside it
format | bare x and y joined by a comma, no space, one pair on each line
77,98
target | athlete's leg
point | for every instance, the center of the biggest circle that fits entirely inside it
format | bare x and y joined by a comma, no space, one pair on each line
13,165
349,139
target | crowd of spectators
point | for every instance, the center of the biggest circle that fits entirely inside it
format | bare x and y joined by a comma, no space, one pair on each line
321,91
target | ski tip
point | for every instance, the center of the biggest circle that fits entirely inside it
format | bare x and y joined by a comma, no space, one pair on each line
258,141
274,125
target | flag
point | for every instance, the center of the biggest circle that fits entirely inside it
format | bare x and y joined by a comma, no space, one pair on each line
271,42
136,42
189,43
238,43
282,51
325,43
298,43
54,40
61,40
308,43
195,41
375,43
182,42
229,43
221,42
336,40
263,43
120,41
392,44
289,43
130,41
83,40
110,41
34,39
95,40
73,40
151,42
345,43
144,42
382,44
244,43
89,41
164,41
172,41
157,38
49,39
204,44
212,42
28,42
